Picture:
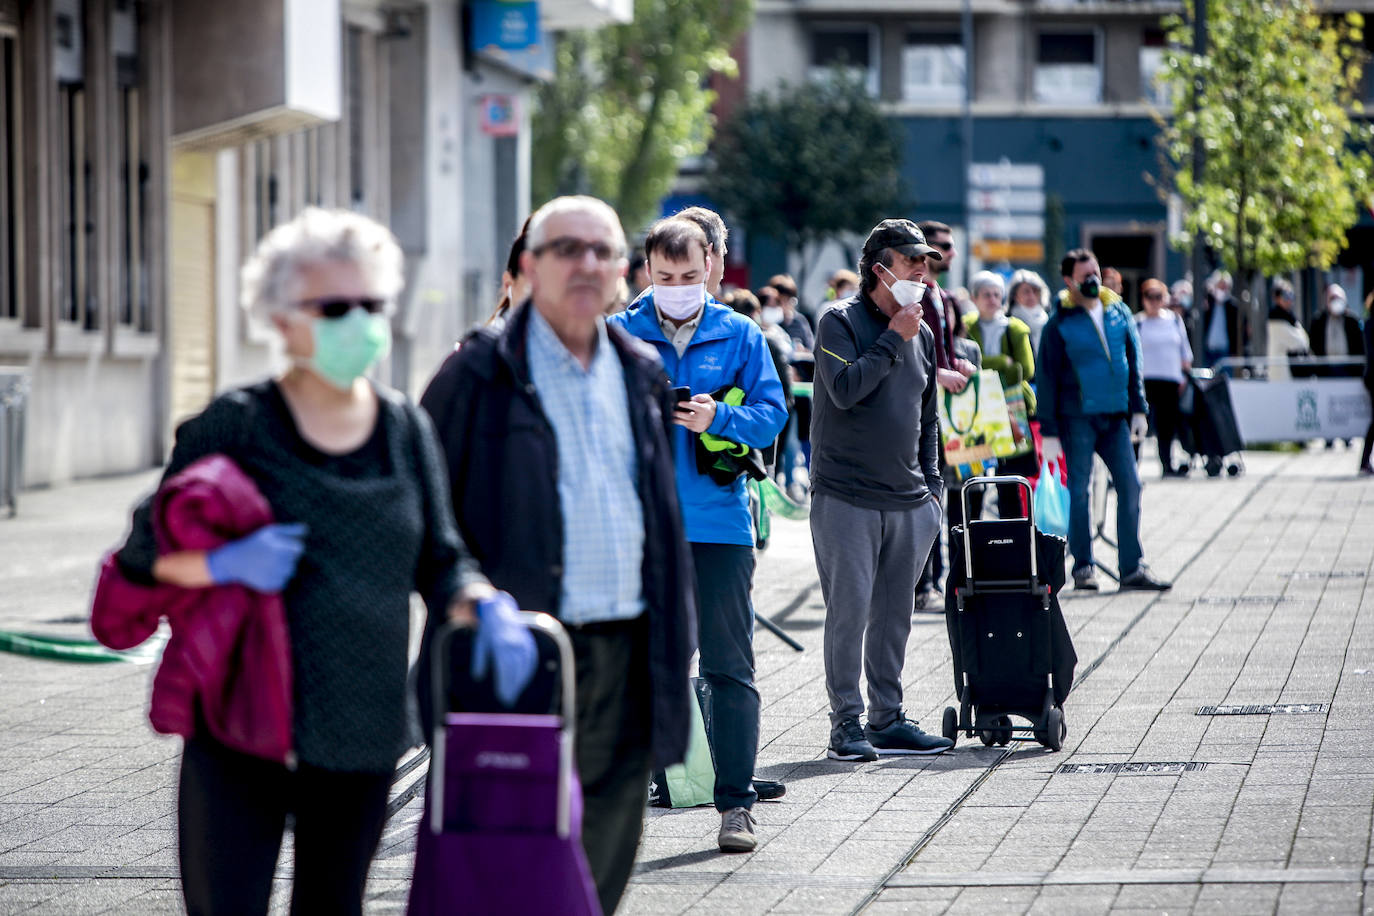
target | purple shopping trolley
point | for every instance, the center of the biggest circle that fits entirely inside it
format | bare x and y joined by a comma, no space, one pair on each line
502,823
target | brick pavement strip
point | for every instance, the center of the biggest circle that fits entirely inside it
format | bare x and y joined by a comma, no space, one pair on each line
1271,606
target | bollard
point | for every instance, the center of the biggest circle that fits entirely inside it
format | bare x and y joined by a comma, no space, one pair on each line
14,392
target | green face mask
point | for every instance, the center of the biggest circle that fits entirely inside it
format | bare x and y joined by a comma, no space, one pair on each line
347,347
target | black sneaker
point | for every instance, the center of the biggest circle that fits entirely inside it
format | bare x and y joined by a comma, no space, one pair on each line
768,789
1142,581
903,738
850,744
1085,580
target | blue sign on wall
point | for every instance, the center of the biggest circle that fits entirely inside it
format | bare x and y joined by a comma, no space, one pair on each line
498,25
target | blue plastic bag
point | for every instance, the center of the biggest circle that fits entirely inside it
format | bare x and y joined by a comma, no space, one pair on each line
1051,502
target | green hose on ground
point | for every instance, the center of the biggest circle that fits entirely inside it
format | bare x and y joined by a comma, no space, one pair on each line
65,649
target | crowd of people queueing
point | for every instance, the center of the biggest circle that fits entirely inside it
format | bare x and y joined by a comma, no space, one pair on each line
584,453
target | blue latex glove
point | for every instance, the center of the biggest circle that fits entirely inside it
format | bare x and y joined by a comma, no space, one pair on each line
507,644
263,560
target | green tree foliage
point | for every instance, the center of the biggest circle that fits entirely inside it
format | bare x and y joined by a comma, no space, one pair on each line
628,103
809,164
1284,166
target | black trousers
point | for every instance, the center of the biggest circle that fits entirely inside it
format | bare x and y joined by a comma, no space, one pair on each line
1369,433
1162,395
231,812
613,739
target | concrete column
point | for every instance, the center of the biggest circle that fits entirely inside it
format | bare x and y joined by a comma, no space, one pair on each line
999,58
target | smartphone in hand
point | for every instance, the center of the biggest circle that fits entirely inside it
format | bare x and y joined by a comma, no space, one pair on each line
682,393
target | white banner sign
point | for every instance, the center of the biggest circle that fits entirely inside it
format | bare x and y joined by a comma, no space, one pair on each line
1014,201
989,226
1006,174
1302,409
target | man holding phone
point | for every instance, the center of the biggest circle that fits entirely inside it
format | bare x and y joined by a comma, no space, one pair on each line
710,350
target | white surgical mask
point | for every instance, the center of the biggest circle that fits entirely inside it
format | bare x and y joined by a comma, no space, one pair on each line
679,302
772,315
1337,306
906,292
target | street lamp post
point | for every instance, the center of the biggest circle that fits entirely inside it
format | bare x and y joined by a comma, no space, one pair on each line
1199,238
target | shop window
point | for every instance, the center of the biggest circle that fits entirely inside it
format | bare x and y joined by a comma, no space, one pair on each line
9,175
1151,65
852,50
75,298
933,67
134,309
1067,69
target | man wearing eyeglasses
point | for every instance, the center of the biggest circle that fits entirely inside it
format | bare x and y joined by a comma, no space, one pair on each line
556,432
733,398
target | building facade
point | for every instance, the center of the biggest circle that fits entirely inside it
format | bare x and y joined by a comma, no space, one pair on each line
146,146
1063,99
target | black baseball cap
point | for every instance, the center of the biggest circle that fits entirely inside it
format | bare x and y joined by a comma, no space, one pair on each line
903,235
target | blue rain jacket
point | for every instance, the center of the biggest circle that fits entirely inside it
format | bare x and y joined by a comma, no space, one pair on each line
727,349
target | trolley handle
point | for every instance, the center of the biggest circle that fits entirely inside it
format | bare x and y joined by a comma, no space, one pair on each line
983,483
439,683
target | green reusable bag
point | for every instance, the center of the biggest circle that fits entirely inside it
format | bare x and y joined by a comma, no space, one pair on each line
692,782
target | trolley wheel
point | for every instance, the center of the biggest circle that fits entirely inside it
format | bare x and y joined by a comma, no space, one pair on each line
949,727
1053,735
1003,731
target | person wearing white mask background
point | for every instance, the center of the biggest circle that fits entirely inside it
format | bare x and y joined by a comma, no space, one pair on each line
710,349
1336,333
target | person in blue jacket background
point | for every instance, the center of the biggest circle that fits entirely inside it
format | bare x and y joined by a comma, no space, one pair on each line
709,348
1091,397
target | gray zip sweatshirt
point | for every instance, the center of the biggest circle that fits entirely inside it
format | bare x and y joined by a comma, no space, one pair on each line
875,432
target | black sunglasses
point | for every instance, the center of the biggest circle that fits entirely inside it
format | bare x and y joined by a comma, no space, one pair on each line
1154,295
570,248
943,246
339,306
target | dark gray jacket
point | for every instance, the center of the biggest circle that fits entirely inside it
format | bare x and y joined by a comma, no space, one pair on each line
875,431
503,467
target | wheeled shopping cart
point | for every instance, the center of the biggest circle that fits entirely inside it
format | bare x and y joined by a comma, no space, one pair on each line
1013,655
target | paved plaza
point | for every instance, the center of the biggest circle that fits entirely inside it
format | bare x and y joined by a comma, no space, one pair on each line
1151,806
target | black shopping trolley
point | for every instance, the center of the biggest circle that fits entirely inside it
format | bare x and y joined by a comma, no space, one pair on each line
1013,655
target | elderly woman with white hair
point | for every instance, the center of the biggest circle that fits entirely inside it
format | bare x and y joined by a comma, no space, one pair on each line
354,478
1006,346
1030,301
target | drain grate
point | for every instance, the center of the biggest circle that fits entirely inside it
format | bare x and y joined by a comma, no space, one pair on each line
1156,768
1324,574
1242,599
1286,709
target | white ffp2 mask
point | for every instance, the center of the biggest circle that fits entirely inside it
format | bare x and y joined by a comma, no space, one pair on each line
906,292
679,302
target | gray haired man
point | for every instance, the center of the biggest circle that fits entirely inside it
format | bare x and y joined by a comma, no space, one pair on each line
876,488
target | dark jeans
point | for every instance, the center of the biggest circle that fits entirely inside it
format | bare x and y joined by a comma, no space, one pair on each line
725,576
1163,397
231,811
1108,435
1369,433
613,736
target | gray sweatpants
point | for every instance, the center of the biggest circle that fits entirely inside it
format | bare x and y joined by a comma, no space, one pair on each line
868,561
